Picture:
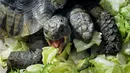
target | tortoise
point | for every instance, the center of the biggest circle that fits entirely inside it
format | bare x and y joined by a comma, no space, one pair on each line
61,20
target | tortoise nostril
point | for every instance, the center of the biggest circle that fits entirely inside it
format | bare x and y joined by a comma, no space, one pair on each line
61,20
62,30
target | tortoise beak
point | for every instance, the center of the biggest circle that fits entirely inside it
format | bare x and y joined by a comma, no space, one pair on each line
60,43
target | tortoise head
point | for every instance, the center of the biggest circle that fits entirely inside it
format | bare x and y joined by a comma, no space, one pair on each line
57,32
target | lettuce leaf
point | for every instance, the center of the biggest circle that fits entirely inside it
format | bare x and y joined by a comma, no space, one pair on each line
15,71
64,67
16,45
113,6
127,68
48,54
54,63
103,65
37,68
81,45
124,24
126,48
93,70
125,11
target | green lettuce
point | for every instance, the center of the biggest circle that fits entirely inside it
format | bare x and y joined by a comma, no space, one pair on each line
16,45
48,54
93,70
127,68
83,64
62,67
126,48
124,27
102,65
54,63
81,45
113,6
119,63
15,71
37,68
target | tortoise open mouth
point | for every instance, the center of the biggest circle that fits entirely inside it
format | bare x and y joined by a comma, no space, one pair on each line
60,44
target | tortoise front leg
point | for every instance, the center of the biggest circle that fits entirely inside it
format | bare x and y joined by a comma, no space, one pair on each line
107,25
81,23
22,59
